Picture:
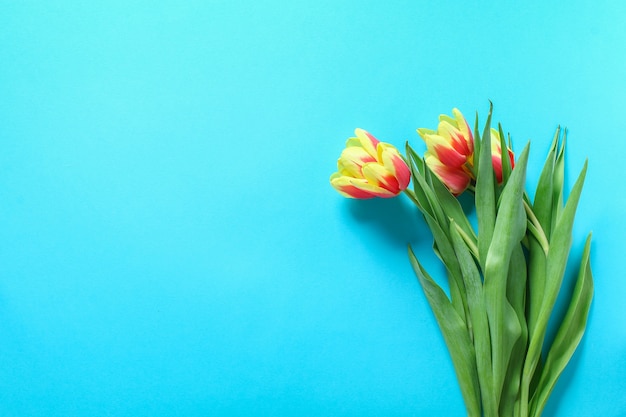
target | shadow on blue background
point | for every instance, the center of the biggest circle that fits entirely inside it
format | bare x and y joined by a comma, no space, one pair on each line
392,219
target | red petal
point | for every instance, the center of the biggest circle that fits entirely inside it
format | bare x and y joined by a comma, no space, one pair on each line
355,192
449,157
403,174
496,161
456,180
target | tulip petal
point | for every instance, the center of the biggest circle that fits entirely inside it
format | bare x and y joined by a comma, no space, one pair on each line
463,126
511,158
495,142
345,188
393,162
422,131
496,161
357,188
455,138
372,189
367,141
403,173
378,175
449,156
447,119
496,155
352,160
456,179
441,147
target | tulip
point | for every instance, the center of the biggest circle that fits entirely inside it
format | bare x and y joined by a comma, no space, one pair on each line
450,151
369,168
496,155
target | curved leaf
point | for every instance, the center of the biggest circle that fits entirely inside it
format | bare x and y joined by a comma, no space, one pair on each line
455,335
569,335
510,228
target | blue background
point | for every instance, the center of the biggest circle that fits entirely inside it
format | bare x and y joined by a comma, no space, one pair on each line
170,244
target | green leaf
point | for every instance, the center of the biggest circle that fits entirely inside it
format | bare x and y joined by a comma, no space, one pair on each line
542,208
478,317
516,294
556,262
455,335
508,232
542,204
506,162
569,335
558,180
536,281
416,165
423,191
445,252
485,194
437,220
560,243
477,142
415,156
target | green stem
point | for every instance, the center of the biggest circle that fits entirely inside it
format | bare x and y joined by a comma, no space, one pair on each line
535,227
411,195
471,245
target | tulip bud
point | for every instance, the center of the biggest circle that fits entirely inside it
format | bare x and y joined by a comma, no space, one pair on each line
450,151
496,155
369,168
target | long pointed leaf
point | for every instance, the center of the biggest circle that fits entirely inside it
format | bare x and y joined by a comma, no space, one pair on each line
506,162
556,262
477,142
516,294
542,208
569,335
558,181
444,250
455,335
509,230
478,317
542,204
416,165
485,194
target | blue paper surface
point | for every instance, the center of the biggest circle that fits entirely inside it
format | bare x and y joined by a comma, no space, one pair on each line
169,241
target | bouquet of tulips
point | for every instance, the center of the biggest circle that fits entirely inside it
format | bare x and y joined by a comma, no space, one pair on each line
505,266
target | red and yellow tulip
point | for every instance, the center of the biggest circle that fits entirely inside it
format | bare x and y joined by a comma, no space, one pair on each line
450,151
496,155
369,168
